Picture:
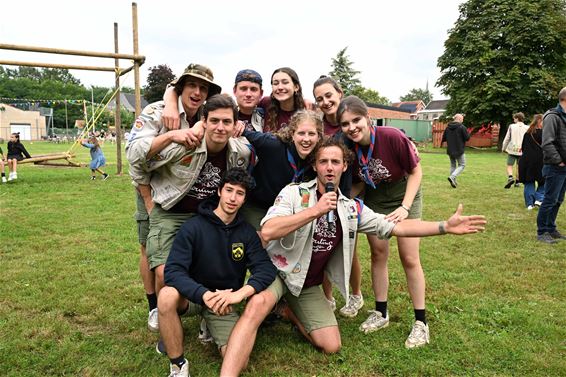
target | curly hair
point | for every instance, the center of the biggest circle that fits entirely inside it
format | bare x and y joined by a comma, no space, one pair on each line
237,176
275,107
286,134
328,142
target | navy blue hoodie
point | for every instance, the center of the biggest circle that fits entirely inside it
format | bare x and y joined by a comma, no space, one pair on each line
208,255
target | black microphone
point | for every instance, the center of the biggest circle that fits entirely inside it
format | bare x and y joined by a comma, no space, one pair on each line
329,187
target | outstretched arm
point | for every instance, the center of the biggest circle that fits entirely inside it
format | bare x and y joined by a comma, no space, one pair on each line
456,224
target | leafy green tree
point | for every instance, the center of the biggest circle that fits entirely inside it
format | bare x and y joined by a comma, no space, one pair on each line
504,56
157,81
343,72
417,94
370,95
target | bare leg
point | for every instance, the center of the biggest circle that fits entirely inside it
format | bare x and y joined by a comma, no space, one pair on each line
379,272
242,338
170,325
409,254
159,278
327,339
356,276
510,170
146,274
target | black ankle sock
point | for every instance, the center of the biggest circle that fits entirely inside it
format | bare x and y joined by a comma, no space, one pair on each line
152,301
3,174
178,361
381,306
420,315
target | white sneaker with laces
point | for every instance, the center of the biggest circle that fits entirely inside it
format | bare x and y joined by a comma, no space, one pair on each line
175,371
419,335
374,322
530,208
4,180
203,333
538,203
153,321
355,303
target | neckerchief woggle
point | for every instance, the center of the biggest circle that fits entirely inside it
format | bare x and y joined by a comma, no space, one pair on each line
363,160
297,173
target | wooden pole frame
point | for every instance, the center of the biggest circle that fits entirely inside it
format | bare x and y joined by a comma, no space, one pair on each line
138,61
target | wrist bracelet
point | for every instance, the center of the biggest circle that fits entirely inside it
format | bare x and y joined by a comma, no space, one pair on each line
405,207
441,228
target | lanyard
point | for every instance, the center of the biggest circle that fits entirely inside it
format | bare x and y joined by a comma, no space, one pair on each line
297,173
363,160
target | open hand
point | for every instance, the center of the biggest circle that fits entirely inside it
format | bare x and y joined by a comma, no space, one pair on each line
458,224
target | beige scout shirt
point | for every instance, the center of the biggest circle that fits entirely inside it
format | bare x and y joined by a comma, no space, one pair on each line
292,253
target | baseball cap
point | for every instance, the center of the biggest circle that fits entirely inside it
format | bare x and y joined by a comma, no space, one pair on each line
248,75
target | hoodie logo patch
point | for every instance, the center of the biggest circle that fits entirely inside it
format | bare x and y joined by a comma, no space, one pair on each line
237,251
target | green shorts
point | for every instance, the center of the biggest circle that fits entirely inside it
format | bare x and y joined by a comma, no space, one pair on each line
219,326
387,197
253,214
163,227
311,307
142,219
512,159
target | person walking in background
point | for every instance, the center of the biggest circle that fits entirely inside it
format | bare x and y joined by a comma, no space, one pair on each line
97,159
455,136
512,146
16,152
530,164
554,170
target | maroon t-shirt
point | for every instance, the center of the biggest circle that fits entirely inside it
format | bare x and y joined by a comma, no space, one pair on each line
283,117
330,129
247,119
392,159
206,184
326,238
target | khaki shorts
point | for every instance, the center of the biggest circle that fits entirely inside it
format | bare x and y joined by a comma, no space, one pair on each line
311,307
387,197
142,219
163,227
253,214
219,326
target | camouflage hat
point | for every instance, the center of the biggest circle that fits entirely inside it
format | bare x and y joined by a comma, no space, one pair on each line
202,72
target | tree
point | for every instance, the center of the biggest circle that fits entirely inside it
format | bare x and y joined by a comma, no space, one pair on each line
343,72
416,94
370,95
504,56
157,81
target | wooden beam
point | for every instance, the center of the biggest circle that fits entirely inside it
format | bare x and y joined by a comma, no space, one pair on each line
48,50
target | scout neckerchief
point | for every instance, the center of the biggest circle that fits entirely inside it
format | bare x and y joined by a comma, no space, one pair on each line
297,174
363,160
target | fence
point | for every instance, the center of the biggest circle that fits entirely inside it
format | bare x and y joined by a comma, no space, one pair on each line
484,137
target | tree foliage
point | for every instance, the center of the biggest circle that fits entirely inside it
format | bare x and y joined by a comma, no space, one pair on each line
346,76
416,94
504,56
157,81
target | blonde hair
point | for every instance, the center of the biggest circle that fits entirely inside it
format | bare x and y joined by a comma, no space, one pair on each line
286,134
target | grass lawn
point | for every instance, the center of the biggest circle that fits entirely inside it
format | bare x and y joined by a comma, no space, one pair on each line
72,302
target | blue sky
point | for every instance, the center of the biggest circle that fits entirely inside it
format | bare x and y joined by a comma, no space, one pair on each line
395,45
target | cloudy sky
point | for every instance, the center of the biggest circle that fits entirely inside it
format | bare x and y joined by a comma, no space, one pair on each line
395,44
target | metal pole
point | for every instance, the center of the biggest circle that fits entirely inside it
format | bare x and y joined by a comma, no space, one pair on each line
136,62
117,109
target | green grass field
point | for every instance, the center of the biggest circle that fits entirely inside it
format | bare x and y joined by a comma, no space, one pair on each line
72,303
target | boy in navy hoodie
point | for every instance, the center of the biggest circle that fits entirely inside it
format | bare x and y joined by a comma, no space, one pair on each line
207,266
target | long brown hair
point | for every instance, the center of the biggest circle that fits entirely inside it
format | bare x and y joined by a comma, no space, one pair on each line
275,107
536,119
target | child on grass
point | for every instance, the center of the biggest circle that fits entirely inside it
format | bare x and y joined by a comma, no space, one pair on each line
97,157
16,152
2,166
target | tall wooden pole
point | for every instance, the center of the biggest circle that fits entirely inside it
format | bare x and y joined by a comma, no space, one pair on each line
117,115
136,62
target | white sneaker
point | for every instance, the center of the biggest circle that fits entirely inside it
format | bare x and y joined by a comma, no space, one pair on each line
355,303
538,203
175,371
529,208
203,333
331,303
419,335
10,177
4,180
15,176
153,321
374,322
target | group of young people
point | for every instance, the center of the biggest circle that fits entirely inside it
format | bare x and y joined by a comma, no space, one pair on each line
270,186
16,152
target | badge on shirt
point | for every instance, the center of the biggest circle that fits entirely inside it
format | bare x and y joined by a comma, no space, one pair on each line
240,162
237,251
297,268
186,161
305,196
139,124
